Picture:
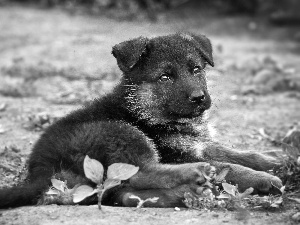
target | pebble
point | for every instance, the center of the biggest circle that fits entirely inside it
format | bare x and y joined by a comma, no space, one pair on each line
3,107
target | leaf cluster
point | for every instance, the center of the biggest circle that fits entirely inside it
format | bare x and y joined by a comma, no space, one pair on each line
94,171
59,193
290,171
228,197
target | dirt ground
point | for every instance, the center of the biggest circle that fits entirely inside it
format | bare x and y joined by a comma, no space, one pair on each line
53,62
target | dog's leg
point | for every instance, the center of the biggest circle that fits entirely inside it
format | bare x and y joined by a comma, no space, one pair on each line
166,197
113,142
254,160
170,176
244,177
246,168
64,149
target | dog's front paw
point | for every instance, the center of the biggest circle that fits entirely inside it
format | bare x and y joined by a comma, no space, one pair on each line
262,182
197,173
244,177
268,184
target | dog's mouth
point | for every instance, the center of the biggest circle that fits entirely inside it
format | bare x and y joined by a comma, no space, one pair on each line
189,111
183,115
182,109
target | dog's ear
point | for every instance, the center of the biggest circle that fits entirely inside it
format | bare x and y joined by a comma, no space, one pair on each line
202,44
128,53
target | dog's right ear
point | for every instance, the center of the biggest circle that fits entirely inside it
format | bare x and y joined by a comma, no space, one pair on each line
204,46
128,53
202,43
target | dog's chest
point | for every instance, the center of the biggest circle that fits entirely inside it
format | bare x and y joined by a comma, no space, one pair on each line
178,148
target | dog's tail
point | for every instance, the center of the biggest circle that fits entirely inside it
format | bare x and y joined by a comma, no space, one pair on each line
27,194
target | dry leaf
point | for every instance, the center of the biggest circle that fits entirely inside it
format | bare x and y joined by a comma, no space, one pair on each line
230,189
247,192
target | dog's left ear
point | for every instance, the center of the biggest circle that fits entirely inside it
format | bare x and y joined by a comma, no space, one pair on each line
128,53
202,44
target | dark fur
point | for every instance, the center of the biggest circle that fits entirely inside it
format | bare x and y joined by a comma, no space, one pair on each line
152,121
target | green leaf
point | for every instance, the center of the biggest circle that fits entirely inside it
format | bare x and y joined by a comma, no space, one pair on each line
59,185
230,189
110,183
72,190
121,171
83,192
93,169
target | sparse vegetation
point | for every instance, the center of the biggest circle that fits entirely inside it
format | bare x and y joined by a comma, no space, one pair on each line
211,196
93,169
290,171
228,197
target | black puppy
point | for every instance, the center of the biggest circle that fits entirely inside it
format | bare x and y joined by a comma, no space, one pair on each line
154,119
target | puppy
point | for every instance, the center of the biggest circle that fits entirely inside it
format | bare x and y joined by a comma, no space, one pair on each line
154,119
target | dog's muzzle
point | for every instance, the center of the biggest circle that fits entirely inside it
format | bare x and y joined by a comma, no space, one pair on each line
197,97
200,99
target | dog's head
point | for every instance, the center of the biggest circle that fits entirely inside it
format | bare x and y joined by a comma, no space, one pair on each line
164,77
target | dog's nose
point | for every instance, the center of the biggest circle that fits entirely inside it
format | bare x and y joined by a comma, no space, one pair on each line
197,97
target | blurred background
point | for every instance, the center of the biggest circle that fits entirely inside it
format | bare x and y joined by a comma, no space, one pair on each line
55,55
281,12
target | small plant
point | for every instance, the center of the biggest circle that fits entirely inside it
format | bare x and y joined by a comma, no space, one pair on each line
59,193
205,201
142,202
207,194
94,171
289,172
266,202
230,198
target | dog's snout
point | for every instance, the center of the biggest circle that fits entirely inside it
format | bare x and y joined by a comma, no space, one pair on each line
197,97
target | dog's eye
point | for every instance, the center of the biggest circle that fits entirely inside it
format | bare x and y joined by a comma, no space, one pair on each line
197,70
164,77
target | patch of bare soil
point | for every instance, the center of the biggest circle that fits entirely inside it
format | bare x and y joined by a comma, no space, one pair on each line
268,75
54,214
53,62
